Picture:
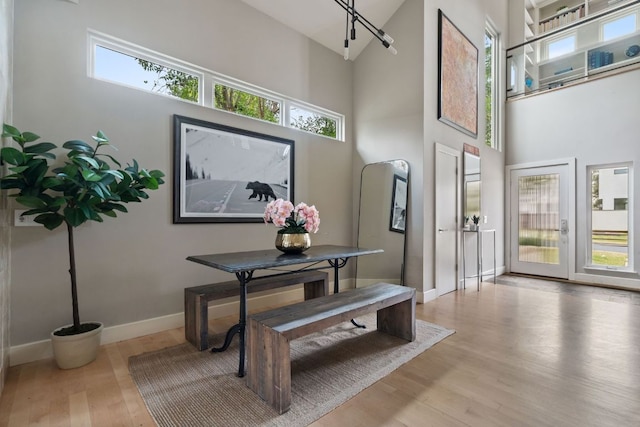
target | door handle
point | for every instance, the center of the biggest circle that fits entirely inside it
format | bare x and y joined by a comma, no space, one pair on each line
440,230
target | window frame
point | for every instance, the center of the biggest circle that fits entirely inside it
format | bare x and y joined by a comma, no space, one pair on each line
630,267
207,80
617,17
496,111
548,43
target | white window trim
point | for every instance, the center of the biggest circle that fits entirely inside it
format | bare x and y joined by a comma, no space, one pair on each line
100,39
588,261
615,17
206,81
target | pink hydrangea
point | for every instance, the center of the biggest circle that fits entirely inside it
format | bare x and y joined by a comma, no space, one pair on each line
292,219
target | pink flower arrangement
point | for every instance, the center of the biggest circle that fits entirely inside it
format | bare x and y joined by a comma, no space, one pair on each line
292,220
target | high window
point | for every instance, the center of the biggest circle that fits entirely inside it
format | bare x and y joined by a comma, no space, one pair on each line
491,67
124,63
562,46
610,246
619,27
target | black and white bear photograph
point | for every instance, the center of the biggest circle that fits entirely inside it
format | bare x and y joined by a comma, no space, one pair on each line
228,174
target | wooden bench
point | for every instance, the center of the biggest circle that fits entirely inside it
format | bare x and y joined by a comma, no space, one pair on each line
269,333
197,298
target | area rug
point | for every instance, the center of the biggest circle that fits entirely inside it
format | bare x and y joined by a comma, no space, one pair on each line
185,387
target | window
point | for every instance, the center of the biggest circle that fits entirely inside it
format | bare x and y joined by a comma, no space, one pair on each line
561,46
312,121
121,62
619,27
246,104
135,71
490,94
610,246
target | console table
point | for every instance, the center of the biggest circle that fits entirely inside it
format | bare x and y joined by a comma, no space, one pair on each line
479,255
244,264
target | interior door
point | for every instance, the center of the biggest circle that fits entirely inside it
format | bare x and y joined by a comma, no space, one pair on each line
539,221
446,219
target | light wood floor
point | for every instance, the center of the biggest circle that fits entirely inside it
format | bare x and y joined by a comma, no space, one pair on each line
524,354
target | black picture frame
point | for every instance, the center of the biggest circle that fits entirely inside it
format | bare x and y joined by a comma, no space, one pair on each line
226,174
457,78
397,218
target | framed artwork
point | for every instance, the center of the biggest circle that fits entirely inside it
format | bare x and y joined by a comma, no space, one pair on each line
398,204
226,174
457,78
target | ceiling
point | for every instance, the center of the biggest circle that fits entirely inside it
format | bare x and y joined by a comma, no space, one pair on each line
324,20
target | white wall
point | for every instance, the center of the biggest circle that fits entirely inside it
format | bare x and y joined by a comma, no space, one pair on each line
595,122
6,33
134,268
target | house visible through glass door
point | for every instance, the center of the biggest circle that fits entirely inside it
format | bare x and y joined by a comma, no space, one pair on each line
539,221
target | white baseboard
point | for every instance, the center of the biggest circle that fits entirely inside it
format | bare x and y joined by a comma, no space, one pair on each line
427,296
38,350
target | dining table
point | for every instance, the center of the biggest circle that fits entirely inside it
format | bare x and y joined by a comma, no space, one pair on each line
244,264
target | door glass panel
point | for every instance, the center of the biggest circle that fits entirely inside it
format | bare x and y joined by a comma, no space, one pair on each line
538,218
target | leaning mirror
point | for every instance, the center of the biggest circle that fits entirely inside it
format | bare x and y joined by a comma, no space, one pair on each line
382,222
472,182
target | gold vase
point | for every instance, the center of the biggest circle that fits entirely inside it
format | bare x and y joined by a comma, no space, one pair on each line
293,243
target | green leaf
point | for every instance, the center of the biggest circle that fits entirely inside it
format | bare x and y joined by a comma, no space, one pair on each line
8,183
10,132
19,169
90,175
150,183
42,147
74,216
89,160
12,156
78,145
51,182
115,173
112,214
29,136
112,159
31,202
50,220
101,138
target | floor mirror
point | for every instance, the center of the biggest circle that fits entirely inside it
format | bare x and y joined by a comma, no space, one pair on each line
382,222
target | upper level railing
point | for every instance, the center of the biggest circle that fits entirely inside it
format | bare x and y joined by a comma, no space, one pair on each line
595,46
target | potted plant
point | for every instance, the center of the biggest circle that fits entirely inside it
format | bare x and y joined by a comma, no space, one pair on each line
476,220
294,223
85,187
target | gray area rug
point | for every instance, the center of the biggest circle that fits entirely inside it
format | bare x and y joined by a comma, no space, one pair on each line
185,387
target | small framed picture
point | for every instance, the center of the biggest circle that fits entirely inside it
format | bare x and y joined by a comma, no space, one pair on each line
226,174
398,204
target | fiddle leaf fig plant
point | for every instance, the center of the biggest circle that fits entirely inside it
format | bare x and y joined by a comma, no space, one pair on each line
84,188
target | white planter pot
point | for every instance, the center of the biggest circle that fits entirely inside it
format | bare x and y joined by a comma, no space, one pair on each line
73,351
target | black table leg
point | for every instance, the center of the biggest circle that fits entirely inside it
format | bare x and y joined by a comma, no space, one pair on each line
240,327
337,264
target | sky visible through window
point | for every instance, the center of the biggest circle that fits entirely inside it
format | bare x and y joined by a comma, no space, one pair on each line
562,47
125,69
619,27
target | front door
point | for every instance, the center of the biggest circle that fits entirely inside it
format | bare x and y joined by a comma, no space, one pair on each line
540,221
446,220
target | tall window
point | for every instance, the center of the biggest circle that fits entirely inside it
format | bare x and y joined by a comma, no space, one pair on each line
610,246
491,67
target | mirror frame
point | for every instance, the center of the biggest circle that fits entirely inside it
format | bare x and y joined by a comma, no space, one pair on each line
399,180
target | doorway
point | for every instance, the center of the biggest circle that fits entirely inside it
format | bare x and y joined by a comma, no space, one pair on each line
447,196
541,219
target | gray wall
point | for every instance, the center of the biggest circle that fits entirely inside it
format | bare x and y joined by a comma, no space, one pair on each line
395,115
133,267
6,34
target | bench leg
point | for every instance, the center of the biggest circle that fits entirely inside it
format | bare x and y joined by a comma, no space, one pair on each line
196,320
316,289
269,366
399,319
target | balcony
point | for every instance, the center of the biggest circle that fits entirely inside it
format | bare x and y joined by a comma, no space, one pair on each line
599,45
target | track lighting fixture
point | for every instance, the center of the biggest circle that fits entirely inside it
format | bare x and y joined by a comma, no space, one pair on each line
354,16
